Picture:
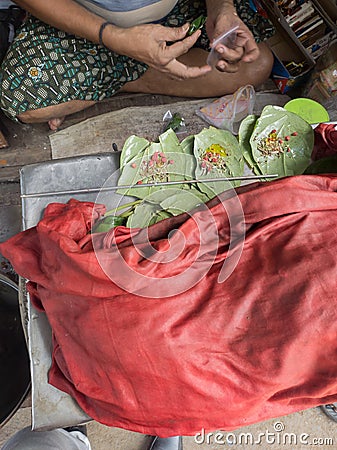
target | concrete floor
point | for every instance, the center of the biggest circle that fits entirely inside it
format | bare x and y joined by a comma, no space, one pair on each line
321,431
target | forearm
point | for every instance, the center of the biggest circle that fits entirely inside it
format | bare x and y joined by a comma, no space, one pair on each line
66,15
214,7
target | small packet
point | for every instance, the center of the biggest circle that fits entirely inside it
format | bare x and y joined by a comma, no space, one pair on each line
227,112
228,40
173,121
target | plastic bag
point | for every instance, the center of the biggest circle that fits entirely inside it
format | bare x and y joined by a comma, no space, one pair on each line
228,111
227,39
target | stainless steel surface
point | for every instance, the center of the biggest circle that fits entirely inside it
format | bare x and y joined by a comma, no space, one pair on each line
14,359
10,221
50,407
78,174
10,224
163,183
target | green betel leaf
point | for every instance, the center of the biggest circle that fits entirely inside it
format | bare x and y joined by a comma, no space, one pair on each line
169,141
182,160
144,215
187,145
196,24
245,131
161,215
155,163
163,204
132,148
138,171
175,123
218,155
108,222
281,142
155,166
160,195
179,201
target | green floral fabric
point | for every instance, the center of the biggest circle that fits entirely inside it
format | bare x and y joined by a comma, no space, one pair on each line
45,66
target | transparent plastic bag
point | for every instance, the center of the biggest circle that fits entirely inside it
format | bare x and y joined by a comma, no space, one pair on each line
227,112
227,39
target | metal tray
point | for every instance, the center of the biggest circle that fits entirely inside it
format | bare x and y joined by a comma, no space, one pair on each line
52,408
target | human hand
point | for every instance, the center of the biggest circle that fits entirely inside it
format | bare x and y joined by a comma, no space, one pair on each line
244,47
160,47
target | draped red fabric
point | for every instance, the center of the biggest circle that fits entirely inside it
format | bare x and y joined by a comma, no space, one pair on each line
258,344
325,141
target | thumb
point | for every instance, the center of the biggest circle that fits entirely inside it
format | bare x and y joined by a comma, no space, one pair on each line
177,33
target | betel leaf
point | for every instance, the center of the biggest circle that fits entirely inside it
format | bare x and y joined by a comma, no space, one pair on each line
175,123
245,131
281,142
169,141
163,204
161,195
157,162
144,215
108,222
132,147
187,145
134,172
197,24
218,155
145,169
181,201
169,161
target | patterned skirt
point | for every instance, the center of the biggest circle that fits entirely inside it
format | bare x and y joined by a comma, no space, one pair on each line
45,66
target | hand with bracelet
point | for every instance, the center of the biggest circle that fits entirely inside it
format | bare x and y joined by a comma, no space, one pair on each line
148,43
70,54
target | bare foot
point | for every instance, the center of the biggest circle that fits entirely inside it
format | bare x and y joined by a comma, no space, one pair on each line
55,123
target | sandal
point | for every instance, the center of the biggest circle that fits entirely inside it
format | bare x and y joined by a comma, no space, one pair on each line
330,410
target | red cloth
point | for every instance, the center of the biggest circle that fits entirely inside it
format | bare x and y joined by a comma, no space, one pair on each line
325,141
222,355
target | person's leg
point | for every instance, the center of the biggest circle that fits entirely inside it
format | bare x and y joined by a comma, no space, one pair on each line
58,439
214,84
54,114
